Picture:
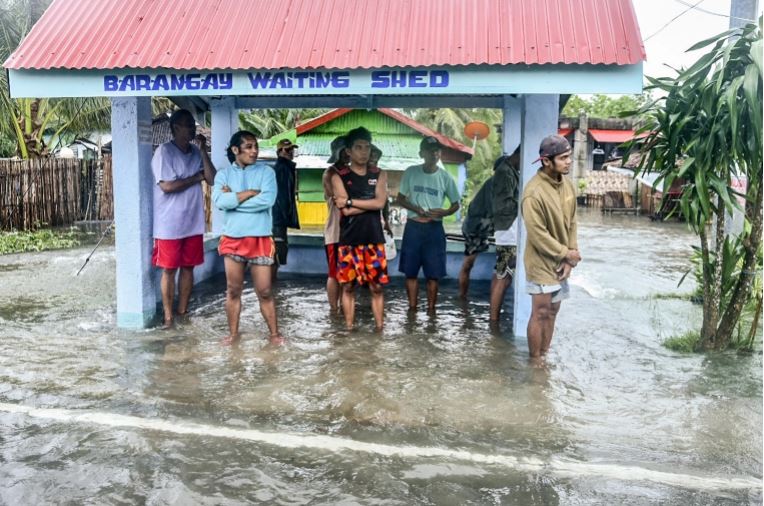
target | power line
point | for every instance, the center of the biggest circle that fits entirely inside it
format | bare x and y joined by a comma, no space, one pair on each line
691,7
700,9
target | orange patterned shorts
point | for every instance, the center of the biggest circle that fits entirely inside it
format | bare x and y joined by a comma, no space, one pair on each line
363,264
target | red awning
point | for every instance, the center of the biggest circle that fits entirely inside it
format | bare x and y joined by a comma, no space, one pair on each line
328,34
565,131
612,136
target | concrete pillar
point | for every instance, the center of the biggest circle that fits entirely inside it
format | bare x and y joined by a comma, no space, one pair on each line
539,118
225,122
581,149
133,208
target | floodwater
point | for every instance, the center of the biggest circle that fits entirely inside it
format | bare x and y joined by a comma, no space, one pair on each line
434,410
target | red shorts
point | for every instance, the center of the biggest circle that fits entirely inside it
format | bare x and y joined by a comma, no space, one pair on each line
248,250
174,253
331,259
363,264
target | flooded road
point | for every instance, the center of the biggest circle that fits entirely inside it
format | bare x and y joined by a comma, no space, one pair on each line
434,410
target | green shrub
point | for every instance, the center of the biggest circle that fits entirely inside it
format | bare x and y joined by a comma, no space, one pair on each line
686,343
38,240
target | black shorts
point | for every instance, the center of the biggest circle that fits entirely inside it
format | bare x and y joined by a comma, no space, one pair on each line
282,246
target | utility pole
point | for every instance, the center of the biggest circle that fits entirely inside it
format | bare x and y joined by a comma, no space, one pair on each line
743,12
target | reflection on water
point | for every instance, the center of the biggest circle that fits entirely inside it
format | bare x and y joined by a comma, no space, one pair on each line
614,418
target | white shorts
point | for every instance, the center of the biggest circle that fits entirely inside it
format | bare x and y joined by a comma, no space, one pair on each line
559,292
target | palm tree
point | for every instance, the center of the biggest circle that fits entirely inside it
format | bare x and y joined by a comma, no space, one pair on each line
265,123
31,125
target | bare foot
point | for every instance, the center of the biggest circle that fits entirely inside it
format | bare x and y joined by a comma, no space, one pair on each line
229,340
182,317
537,362
168,324
276,339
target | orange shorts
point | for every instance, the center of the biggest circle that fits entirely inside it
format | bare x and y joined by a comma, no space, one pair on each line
364,264
248,250
174,253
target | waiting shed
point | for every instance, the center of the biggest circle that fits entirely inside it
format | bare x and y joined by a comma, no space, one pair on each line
220,56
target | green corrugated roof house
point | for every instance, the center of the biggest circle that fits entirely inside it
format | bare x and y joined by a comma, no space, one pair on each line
397,135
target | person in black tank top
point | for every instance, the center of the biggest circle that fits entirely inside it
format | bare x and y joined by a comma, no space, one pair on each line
360,193
364,228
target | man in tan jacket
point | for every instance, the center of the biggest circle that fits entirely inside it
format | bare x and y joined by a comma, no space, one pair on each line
551,251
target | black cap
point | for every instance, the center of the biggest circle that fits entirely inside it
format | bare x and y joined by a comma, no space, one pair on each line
430,143
552,146
338,144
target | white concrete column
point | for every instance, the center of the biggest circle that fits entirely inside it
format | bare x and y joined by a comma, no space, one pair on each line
510,132
225,122
133,210
539,118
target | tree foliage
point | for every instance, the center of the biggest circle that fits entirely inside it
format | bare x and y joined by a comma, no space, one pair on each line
706,132
30,126
604,106
265,123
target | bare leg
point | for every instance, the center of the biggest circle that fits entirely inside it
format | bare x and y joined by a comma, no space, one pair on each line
234,275
185,285
432,294
377,304
333,293
549,330
348,303
168,294
464,275
538,324
261,278
498,290
274,273
412,290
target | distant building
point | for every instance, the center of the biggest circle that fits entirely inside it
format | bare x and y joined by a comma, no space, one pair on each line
595,141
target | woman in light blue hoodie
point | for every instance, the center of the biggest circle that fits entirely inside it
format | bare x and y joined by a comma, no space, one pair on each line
245,192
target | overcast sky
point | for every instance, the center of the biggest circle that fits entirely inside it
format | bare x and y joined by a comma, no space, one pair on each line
668,46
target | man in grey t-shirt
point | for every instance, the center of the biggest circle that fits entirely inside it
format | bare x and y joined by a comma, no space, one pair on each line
179,167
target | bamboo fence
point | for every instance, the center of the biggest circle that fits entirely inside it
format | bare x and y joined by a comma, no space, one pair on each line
59,191
54,192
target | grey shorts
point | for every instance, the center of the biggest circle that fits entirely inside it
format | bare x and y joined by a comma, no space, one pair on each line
249,262
559,292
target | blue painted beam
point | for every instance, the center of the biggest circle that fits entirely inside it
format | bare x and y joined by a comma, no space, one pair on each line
475,80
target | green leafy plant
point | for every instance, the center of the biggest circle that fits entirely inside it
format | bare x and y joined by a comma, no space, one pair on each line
581,186
38,240
707,131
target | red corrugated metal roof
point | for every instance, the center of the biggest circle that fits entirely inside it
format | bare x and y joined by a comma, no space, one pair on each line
618,136
409,122
331,34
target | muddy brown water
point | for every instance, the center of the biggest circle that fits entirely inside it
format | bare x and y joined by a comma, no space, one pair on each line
434,410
